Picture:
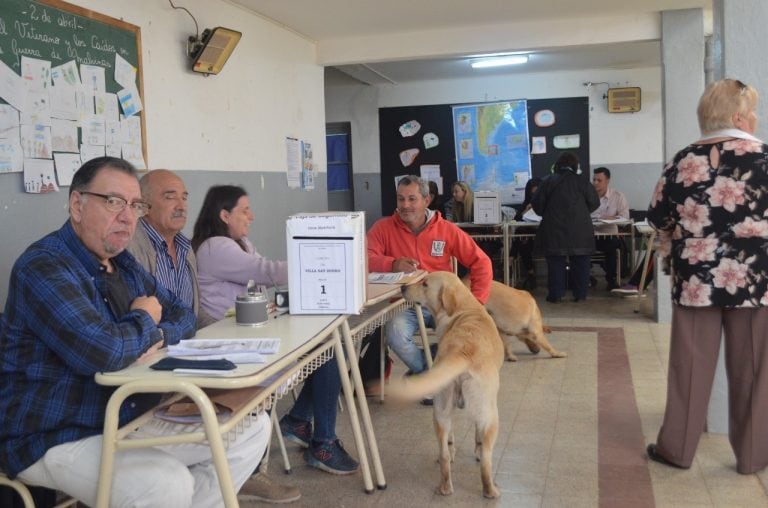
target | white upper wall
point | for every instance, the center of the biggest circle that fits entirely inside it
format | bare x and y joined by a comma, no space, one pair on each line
614,138
626,138
524,35
270,88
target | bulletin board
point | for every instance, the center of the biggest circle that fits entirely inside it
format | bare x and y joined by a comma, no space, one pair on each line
570,115
571,118
437,120
59,32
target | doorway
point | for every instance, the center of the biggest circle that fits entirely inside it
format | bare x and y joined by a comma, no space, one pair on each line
338,146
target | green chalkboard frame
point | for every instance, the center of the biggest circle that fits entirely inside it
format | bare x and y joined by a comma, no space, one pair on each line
59,31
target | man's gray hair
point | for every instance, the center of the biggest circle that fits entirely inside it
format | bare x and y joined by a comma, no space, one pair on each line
411,179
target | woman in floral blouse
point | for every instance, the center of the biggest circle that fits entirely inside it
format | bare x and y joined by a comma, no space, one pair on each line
712,204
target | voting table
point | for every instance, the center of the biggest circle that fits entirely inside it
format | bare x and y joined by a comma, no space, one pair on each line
306,343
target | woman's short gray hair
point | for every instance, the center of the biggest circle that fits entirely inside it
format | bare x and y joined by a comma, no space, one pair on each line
723,99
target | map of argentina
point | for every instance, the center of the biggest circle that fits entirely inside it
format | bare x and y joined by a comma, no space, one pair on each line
492,151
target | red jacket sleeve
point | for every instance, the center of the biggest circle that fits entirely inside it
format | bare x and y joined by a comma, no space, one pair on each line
376,238
469,254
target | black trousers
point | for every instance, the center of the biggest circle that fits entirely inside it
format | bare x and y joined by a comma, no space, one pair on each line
608,246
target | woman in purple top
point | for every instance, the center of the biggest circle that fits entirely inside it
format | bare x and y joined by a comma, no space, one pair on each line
226,261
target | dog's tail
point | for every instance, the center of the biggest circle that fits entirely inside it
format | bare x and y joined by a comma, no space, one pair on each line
428,383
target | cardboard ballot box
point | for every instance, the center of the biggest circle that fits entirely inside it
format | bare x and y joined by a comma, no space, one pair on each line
487,207
327,262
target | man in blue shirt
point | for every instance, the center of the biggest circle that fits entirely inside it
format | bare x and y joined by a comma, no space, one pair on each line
159,244
77,305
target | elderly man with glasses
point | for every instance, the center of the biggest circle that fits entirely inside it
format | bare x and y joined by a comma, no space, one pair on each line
77,305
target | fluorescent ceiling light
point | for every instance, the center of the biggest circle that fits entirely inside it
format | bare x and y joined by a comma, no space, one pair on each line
499,61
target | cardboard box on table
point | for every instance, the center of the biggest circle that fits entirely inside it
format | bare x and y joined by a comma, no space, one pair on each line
327,262
487,207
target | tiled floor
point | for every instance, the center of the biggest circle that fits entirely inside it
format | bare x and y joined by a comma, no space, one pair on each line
573,431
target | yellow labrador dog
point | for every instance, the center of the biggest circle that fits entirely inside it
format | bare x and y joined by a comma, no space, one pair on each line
515,313
469,357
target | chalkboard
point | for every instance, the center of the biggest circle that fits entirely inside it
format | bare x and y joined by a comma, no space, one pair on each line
571,117
61,32
436,119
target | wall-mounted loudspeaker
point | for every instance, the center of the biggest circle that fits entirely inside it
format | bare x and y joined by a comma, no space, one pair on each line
624,100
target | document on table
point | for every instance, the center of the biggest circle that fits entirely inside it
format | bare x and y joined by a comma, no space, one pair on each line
385,277
613,221
531,216
229,348
325,280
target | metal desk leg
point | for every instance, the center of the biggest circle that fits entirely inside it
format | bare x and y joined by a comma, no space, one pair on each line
338,349
644,273
423,333
373,446
210,423
382,362
280,440
505,246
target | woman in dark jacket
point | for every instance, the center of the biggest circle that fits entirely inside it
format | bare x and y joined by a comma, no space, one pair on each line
564,201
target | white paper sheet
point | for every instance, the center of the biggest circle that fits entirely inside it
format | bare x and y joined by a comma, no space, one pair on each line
125,73
385,277
93,78
130,102
64,102
36,73
133,154
88,152
64,135
531,216
11,159
39,177
209,347
114,139
94,130
9,121
66,166
66,74
323,273
106,105
293,162
37,108
36,141
12,88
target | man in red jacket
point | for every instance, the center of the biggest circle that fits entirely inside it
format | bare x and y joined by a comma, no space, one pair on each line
415,237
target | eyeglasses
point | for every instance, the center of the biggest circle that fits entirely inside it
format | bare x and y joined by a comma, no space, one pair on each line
117,204
742,87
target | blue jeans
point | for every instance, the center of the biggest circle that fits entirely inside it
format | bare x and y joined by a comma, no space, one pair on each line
318,398
399,333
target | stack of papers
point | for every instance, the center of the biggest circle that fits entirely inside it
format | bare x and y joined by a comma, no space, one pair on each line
235,350
385,277
531,216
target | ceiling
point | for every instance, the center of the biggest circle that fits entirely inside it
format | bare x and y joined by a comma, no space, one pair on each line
333,20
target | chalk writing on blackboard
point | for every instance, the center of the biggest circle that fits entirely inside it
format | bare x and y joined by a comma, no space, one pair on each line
69,64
